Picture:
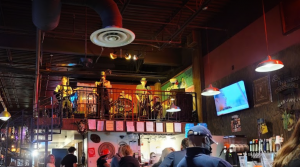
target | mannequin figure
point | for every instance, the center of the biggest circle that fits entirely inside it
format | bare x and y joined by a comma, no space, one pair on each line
62,93
143,98
103,95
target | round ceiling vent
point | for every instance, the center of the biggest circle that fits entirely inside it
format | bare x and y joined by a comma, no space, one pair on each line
112,37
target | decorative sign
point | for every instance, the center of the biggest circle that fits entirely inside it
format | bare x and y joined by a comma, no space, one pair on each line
109,125
159,127
288,100
91,152
119,126
130,126
100,126
236,124
184,81
140,126
149,126
285,84
177,127
262,91
92,124
169,127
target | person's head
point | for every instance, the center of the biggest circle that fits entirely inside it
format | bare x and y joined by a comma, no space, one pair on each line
104,153
64,80
71,150
200,136
120,149
166,152
152,155
51,159
184,143
126,150
103,75
143,81
220,101
290,150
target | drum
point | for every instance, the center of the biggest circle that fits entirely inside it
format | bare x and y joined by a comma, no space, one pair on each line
123,105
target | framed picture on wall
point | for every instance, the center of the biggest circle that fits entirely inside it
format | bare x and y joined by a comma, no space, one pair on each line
262,91
140,126
290,15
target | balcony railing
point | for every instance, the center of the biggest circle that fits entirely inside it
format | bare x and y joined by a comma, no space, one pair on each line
128,104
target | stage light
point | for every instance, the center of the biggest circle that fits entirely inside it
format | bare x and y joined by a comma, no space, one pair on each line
113,55
127,56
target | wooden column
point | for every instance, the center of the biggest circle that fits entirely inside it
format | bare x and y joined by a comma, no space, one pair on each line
198,75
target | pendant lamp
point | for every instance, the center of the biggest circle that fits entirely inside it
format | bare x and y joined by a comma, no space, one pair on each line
173,108
5,115
210,91
269,64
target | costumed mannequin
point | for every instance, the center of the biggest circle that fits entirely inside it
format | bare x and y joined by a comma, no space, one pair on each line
103,95
143,98
62,93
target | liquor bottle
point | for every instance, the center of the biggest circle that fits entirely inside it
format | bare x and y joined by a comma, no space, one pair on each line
267,146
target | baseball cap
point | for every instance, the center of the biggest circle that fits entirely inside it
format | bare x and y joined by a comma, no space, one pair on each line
200,130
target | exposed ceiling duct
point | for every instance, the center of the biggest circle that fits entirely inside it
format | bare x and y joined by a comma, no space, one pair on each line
46,15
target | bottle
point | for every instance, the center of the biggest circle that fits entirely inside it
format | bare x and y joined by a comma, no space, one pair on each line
267,146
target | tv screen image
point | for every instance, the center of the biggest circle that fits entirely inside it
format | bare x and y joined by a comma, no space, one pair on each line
232,98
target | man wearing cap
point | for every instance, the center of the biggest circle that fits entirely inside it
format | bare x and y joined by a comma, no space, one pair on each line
198,154
103,94
69,160
101,162
142,96
173,159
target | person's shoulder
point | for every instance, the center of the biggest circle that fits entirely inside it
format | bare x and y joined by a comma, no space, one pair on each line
294,163
222,162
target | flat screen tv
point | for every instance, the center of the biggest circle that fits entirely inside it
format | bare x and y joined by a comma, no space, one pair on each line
232,98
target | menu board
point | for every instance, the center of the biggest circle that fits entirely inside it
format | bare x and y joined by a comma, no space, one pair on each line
130,126
169,127
100,126
177,127
119,126
92,124
149,126
140,126
109,126
159,127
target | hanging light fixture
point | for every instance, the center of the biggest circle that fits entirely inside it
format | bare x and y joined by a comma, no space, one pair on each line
5,115
269,64
173,108
113,55
127,56
210,91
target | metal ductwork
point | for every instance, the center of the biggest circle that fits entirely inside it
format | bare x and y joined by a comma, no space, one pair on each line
111,35
46,14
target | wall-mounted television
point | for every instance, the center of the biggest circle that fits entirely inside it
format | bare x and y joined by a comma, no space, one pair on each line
232,98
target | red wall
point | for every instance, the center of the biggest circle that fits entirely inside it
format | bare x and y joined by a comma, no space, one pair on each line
248,47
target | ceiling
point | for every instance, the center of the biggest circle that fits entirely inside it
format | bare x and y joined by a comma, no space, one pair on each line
163,30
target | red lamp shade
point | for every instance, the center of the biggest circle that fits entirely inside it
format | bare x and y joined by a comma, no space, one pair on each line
210,91
269,65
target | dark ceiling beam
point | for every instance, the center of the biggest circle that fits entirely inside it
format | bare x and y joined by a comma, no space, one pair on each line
124,7
80,74
169,20
188,21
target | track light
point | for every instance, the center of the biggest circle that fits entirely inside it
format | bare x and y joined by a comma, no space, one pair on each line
135,57
127,56
113,55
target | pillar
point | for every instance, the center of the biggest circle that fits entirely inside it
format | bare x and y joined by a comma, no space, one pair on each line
198,75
